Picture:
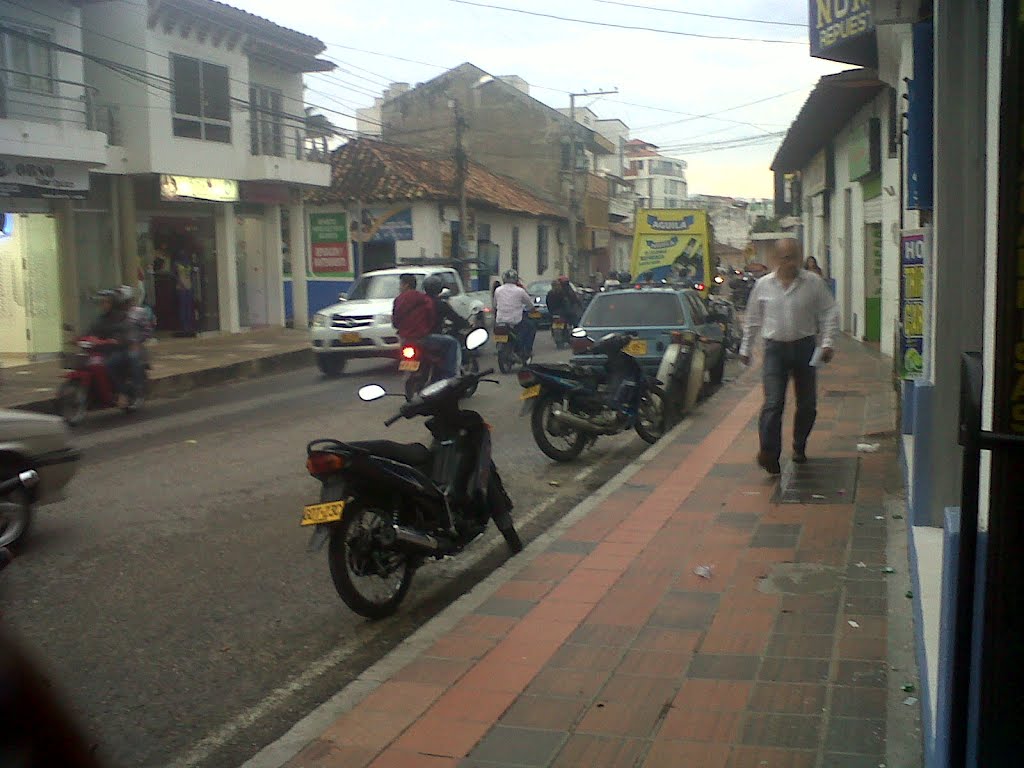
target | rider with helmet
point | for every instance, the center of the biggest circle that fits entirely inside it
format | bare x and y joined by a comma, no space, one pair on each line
448,348
563,301
112,324
511,302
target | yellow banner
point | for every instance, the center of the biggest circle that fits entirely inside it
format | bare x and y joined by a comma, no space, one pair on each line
671,244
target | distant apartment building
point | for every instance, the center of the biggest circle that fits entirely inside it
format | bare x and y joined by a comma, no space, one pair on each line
732,217
660,181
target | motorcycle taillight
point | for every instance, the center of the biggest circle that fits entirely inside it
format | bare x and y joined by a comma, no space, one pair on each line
526,378
409,353
324,463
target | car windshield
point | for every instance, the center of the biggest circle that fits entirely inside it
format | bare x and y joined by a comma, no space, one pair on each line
539,288
378,287
634,310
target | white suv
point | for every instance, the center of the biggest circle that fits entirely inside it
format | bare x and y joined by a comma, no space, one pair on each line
360,324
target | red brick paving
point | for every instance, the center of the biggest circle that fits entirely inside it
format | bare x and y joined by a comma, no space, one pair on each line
628,657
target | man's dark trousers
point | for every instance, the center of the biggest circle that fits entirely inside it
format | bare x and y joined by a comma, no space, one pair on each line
783,360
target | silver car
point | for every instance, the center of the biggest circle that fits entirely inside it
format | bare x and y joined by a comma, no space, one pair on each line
39,442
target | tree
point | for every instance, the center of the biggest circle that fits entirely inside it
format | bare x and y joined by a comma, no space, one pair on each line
764,224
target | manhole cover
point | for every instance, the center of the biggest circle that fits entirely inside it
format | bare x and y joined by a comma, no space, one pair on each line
819,481
800,579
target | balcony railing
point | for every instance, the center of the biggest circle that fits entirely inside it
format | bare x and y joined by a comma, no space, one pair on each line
275,136
46,104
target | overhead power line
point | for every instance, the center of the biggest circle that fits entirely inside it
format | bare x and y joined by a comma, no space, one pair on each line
639,28
701,15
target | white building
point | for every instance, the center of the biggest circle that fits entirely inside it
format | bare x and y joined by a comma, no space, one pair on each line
660,180
161,143
50,139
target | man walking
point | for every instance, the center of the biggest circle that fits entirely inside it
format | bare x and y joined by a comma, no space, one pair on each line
792,308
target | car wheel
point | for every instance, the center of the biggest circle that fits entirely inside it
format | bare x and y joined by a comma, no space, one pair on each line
330,365
15,511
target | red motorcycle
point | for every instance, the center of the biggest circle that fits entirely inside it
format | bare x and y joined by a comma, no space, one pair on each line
87,382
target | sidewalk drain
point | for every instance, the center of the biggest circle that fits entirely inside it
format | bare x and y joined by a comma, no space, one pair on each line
819,481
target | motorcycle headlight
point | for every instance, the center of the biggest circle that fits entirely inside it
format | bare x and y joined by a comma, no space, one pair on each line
320,320
382,319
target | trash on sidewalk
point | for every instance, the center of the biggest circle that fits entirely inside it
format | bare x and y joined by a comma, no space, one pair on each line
888,569
908,688
554,483
910,595
704,571
862,564
853,624
897,517
910,701
868,447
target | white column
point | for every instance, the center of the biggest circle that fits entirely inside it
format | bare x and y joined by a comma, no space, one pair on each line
227,269
69,298
274,269
129,245
297,248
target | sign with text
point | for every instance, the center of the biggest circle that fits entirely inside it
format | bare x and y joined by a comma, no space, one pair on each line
329,248
20,177
833,23
915,308
384,225
671,244
198,188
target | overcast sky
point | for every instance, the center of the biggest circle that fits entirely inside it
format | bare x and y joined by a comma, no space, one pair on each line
660,75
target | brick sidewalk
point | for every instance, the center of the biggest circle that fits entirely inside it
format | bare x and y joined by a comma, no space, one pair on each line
607,649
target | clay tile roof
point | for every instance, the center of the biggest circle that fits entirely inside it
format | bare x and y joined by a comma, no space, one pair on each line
291,37
369,171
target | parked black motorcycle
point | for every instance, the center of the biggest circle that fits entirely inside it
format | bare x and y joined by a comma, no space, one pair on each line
386,507
573,405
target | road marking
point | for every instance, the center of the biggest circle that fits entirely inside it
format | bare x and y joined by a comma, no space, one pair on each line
584,474
279,752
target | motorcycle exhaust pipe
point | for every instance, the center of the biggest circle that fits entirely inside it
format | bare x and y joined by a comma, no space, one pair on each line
579,424
416,539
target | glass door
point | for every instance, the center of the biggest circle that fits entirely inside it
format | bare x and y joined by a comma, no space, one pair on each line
42,277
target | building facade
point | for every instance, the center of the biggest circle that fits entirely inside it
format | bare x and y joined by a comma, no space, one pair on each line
659,181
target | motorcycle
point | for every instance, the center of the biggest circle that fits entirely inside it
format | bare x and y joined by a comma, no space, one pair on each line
87,382
682,373
560,331
424,367
506,347
16,507
576,404
386,508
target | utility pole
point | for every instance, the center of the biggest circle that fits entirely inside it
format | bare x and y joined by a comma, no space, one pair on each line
573,196
461,174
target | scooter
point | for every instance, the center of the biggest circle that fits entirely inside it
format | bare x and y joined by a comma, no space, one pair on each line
387,508
87,382
424,367
572,405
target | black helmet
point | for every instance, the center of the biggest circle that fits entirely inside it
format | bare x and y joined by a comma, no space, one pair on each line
433,286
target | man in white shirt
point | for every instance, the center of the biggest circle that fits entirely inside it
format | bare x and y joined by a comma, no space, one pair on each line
792,308
510,303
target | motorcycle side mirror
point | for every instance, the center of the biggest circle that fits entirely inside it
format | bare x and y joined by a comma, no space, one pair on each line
445,293
372,392
476,338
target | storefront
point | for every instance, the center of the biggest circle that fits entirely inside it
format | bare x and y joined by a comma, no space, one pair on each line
34,213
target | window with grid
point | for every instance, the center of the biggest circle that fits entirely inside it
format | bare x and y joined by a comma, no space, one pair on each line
266,116
542,249
202,100
26,58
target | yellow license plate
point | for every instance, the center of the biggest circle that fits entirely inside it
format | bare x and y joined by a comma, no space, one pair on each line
636,347
558,325
501,339
409,365
533,391
535,315
350,338
317,514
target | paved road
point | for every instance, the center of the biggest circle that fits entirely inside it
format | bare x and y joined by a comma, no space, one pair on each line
171,596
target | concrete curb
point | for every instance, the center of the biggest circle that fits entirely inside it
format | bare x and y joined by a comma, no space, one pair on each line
178,384
281,751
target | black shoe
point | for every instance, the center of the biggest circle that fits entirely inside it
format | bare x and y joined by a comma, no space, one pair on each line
799,457
768,463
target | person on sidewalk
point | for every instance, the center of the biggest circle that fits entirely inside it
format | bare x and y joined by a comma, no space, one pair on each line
792,308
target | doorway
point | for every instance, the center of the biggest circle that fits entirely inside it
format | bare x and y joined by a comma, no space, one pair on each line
251,261
873,282
30,308
184,270
847,287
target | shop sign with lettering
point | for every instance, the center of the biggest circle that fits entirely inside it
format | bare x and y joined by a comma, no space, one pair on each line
835,22
20,177
915,309
197,188
329,246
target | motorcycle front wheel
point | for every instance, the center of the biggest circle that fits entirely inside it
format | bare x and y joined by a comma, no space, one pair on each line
650,417
555,440
72,402
370,579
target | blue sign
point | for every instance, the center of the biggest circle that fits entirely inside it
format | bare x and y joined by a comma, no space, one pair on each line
920,129
833,24
386,225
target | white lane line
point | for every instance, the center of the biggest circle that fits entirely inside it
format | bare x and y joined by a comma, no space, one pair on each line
584,474
279,752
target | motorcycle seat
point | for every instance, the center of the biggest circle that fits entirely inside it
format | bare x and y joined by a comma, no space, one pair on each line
413,454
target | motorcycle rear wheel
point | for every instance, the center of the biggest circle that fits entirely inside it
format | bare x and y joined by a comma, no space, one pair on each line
72,402
539,423
352,555
506,358
650,417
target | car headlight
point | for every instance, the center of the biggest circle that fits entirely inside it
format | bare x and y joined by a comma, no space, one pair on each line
382,319
320,320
